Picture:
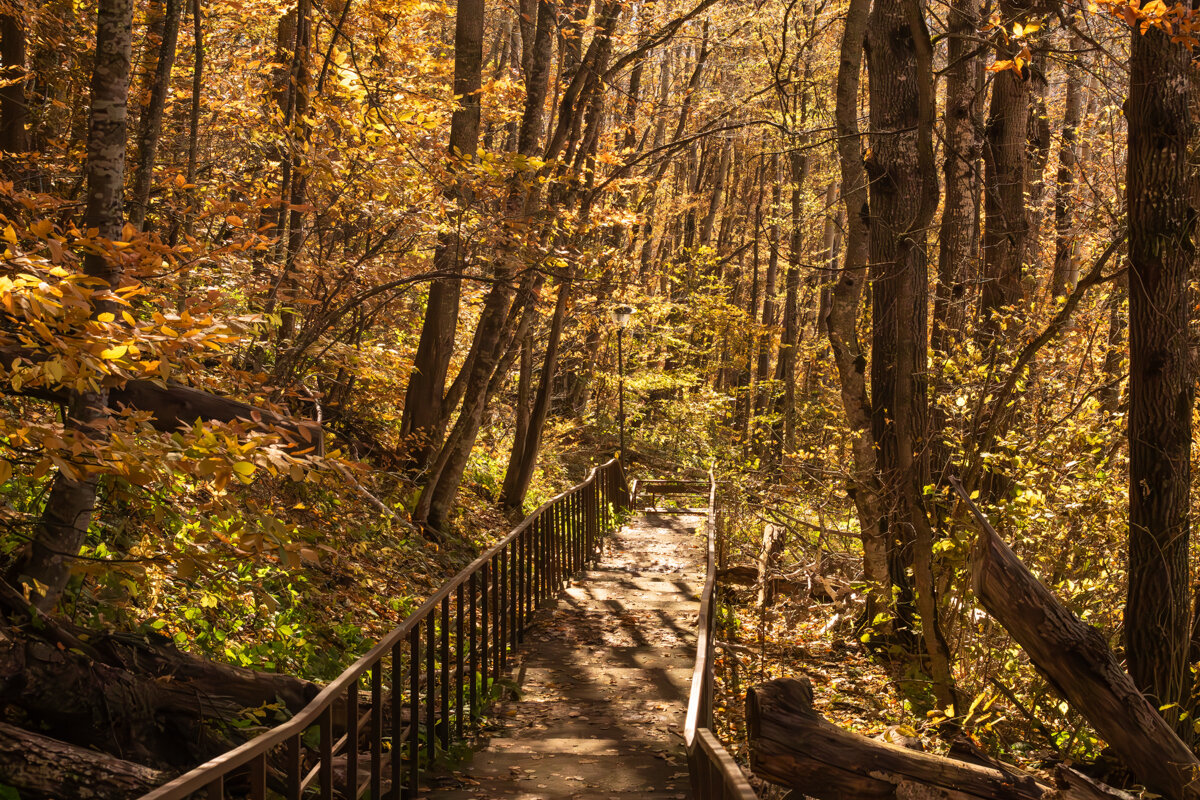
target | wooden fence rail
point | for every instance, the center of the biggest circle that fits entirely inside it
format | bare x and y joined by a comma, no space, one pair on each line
380,724
714,773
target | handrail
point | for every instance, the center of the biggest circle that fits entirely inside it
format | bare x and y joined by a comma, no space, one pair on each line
714,773
491,601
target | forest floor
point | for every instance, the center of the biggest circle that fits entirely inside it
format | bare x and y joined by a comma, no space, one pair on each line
601,684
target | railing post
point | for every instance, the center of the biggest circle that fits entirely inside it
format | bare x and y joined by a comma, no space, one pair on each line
352,739
414,711
458,661
473,640
502,612
431,685
397,719
519,588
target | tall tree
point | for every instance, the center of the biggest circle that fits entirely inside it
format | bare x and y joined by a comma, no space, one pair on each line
845,305
150,124
46,565
1161,252
903,199
424,410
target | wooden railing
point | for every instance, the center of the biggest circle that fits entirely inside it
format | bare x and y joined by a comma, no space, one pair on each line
714,773
383,721
651,488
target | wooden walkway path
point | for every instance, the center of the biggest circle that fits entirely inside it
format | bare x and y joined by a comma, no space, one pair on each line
602,680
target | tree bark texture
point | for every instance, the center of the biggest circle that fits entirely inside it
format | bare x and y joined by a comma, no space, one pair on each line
135,699
846,303
40,767
1160,380
1066,256
898,290
1006,235
14,108
958,234
150,124
46,564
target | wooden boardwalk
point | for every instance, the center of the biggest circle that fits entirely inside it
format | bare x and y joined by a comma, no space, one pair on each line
602,680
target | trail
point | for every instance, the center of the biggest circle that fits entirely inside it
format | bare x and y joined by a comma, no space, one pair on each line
602,679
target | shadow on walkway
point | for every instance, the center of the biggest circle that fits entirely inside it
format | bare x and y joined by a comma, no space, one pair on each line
603,680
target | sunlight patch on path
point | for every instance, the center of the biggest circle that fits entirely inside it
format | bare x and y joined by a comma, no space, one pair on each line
604,678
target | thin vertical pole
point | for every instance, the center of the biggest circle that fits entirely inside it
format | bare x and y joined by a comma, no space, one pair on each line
444,728
473,695
621,389
414,712
484,626
325,723
397,717
431,686
377,728
459,654
352,738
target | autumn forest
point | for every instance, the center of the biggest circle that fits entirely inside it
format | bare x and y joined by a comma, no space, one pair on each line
307,303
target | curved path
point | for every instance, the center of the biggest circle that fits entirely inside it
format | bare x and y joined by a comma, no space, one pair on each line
602,681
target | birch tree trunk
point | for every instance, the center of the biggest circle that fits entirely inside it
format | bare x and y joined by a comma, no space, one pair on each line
45,567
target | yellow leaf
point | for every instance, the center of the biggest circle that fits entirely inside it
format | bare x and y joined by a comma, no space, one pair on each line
107,316
10,235
113,353
244,470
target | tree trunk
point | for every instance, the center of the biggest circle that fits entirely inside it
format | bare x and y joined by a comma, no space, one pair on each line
41,767
14,108
1066,256
773,541
521,464
717,195
845,305
424,411
1006,233
150,124
133,699
958,233
1160,379
45,566
766,336
897,274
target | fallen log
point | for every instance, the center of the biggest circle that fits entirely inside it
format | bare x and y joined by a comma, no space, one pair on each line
1076,660
172,405
152,704
793,745
40,767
